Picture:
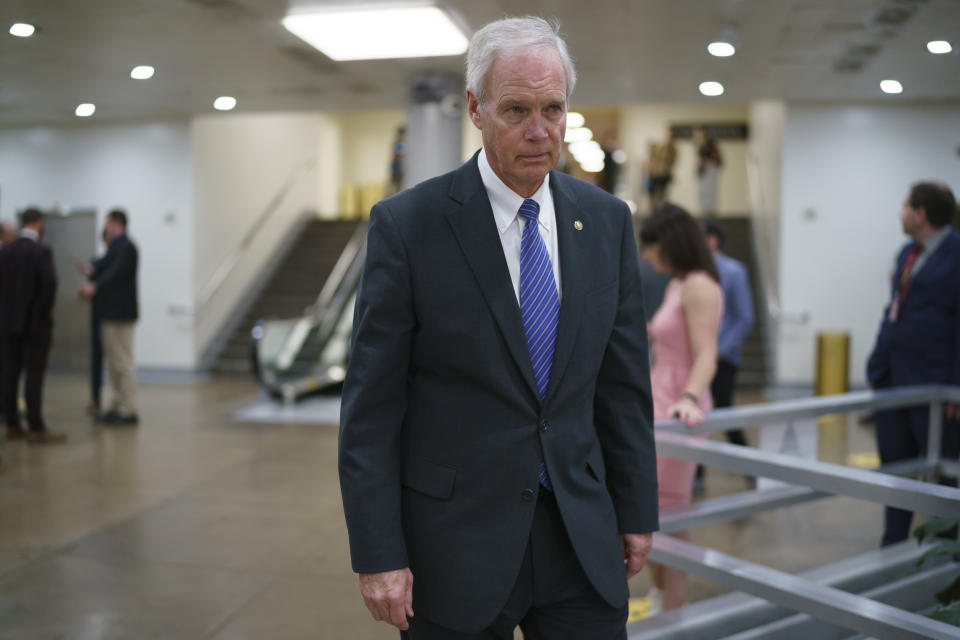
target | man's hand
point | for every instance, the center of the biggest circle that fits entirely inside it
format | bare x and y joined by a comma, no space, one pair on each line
87,291
389,596
952,412
635,547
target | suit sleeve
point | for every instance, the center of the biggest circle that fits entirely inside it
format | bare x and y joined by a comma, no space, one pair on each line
623,406
374,401
113,267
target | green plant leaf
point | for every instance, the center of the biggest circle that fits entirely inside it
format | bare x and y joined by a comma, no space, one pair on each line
932,527
945,548
951,593
950,615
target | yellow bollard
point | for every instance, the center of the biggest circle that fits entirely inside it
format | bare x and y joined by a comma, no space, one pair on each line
833,369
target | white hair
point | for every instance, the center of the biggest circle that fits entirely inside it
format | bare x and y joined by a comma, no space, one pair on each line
510,36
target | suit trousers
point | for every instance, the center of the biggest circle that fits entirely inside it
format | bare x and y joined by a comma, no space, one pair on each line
552,598
25,354
902,434
117,338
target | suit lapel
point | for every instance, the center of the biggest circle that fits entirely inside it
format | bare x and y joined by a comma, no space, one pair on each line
573,268
476,232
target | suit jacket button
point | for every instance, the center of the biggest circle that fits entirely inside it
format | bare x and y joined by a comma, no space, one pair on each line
528,494
544,425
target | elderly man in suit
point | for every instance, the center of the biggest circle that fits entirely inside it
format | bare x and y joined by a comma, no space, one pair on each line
497,460
28,285
919,339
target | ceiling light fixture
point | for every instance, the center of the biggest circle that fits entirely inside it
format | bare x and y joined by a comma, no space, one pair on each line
224,103
85,110
575,120
939,47
22,30
721,49
891,86
711,88
377,34
143,72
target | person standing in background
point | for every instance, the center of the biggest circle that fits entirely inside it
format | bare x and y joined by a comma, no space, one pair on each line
8,233
734,328
398,160
113,288
709,161
919,338
28,286
660,169
683,336
89,269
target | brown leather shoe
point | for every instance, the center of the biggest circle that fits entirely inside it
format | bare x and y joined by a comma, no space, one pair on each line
16,433
45,437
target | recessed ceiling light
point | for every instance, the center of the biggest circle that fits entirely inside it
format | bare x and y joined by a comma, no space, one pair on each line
891,86
578,134
575,120
85,110
224,103
711,88
721,49
939,46
143,72
22,30
376,34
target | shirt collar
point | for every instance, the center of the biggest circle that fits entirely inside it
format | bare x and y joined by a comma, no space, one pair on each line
504,201
935,241
31,234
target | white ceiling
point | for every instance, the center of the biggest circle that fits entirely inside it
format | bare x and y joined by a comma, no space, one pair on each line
626,51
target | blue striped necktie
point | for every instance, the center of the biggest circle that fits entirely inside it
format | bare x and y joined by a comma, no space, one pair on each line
539,303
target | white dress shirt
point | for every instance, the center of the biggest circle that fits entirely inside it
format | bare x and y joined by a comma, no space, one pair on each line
30,234
506,206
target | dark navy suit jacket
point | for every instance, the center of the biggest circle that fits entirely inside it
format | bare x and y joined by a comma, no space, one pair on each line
442,427
923,345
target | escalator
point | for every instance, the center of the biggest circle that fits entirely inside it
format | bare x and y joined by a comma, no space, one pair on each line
297,357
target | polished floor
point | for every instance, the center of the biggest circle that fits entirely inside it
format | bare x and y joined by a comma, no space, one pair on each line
196,526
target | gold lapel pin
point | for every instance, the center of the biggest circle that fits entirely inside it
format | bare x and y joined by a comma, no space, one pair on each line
578,225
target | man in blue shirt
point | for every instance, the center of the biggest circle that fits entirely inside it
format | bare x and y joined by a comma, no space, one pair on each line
734,328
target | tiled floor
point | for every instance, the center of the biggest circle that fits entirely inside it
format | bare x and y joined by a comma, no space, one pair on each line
193,526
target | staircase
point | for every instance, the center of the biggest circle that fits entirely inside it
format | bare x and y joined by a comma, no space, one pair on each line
292,288
753,373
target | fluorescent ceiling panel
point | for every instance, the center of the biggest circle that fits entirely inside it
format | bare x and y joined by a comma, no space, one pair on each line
377,34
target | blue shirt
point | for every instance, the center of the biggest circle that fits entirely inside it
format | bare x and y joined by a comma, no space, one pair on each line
737,308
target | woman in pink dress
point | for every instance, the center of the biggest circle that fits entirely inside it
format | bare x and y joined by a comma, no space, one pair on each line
683,338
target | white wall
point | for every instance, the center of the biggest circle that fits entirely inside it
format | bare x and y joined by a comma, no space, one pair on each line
243,164
144,168
642,124
367,144
846,171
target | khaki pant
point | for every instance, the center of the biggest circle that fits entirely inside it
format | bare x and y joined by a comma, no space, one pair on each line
117,337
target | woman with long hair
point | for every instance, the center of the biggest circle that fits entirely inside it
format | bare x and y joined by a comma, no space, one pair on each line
683,338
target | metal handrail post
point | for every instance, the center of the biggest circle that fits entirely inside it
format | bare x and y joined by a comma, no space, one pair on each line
935,431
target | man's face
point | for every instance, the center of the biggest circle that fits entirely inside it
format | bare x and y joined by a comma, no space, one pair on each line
524,118
911,219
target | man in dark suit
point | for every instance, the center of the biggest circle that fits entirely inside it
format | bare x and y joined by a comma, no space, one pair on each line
113,288
8,233
497,460
28,284
919,339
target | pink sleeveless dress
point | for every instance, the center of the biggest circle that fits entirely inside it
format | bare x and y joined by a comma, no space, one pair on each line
672,363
